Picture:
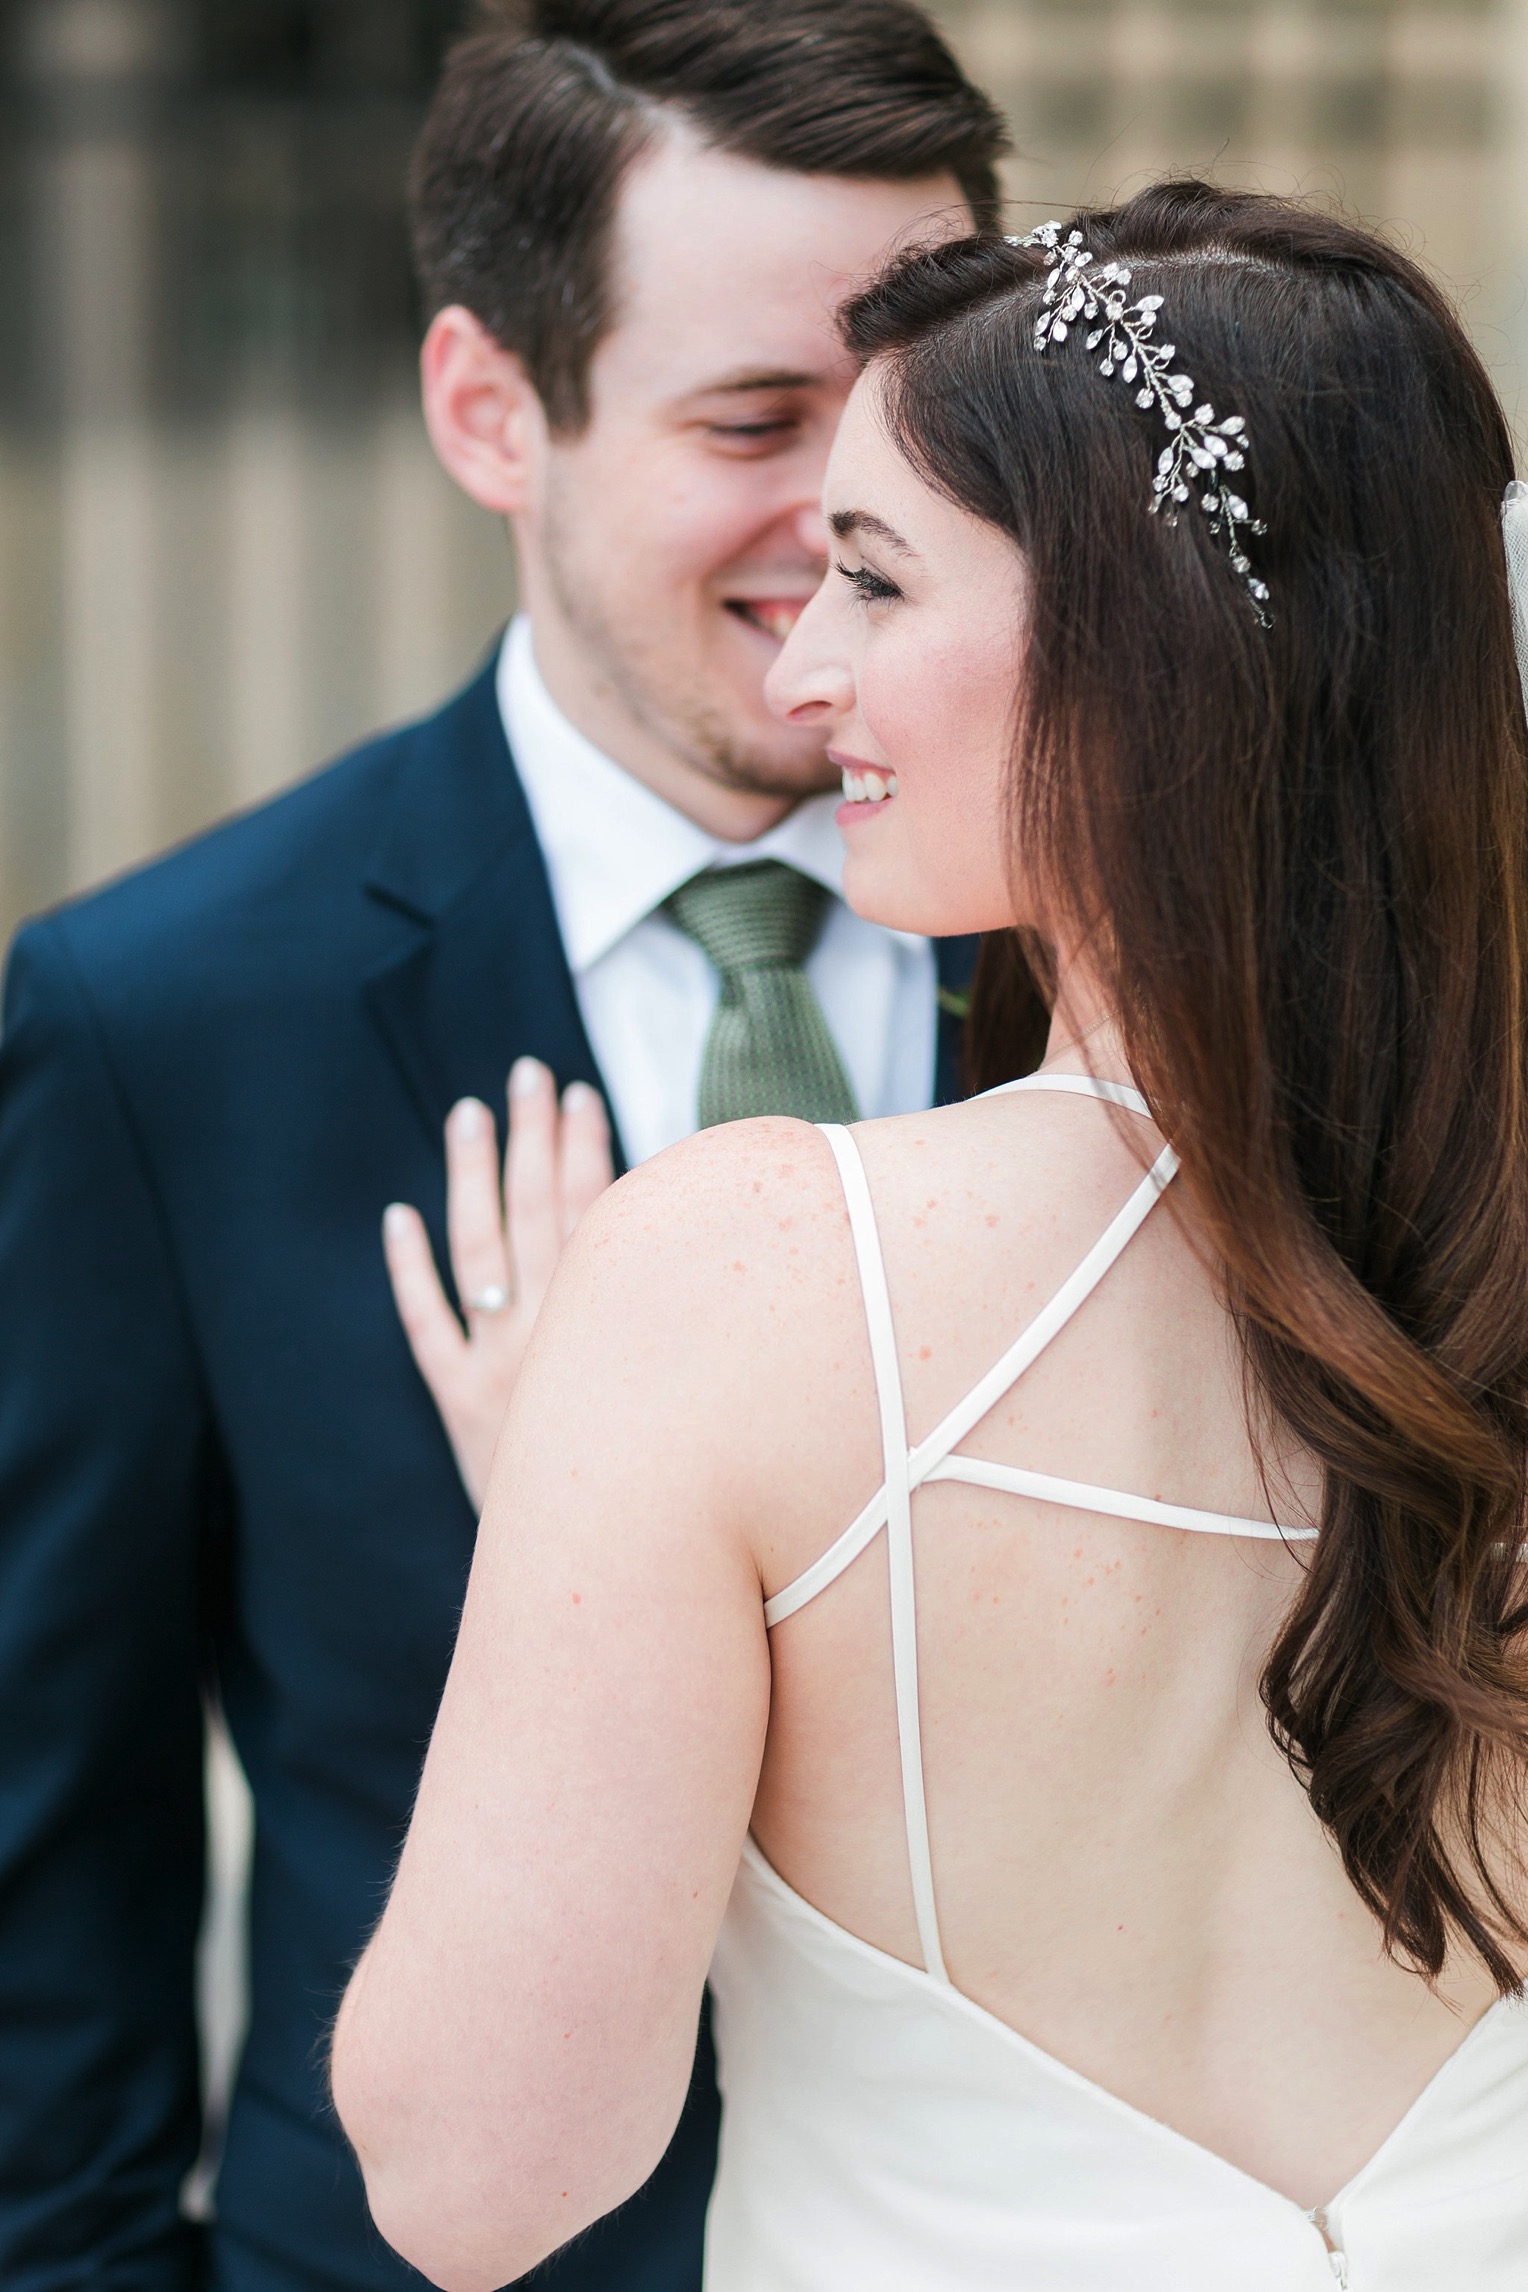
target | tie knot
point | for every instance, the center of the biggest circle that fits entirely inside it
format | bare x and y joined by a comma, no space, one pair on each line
762,916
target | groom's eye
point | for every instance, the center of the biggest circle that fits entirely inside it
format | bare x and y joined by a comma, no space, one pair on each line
762,436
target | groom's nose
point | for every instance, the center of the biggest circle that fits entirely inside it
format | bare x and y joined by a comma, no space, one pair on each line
812,532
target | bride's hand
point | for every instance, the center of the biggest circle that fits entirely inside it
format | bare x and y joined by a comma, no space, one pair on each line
504,1244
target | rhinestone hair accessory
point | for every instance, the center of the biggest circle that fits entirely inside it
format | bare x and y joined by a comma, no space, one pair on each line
1202,452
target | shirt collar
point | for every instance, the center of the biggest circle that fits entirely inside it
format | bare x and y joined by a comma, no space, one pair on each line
614,850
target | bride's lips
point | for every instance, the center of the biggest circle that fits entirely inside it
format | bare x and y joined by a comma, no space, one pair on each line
868,788
772,616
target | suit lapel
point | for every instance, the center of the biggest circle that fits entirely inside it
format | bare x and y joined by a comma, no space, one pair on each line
477,976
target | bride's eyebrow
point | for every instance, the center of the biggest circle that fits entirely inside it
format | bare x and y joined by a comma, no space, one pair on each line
847,522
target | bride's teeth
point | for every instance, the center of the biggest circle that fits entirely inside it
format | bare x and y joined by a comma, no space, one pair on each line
868,787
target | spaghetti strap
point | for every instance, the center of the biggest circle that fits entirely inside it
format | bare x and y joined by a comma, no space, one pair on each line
899,1534
1077,1086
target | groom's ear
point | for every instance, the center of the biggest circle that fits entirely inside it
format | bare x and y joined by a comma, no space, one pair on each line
485,419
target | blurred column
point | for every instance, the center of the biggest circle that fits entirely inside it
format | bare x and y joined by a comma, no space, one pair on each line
1144,52
266,573
1442,154
95,64
418,632
1511,207
1285,51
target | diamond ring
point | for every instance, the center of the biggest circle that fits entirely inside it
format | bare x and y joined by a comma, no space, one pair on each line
493,1299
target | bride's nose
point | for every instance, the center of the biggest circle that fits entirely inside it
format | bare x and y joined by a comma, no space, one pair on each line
811,682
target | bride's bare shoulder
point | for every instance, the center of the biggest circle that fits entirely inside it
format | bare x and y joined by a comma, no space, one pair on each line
757,1175
738,1227
753,1212
716,1287
764,1180
733,1211
711,1292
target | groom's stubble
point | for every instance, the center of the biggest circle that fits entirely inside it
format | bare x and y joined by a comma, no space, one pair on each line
653,675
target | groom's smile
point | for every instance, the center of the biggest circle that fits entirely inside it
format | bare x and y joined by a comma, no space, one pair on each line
773,617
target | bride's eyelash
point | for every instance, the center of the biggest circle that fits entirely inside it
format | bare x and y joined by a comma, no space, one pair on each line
874,588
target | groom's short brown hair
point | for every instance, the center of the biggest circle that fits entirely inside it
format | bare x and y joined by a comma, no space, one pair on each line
541,111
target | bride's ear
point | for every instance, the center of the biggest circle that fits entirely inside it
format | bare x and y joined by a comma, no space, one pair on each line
485,419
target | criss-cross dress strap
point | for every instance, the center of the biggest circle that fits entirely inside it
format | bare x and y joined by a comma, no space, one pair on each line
1118,1503
898,1516
933,1459
931,1452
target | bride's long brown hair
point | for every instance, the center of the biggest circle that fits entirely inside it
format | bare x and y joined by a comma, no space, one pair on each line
1304,850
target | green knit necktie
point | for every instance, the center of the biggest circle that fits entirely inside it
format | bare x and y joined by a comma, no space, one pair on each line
769,1050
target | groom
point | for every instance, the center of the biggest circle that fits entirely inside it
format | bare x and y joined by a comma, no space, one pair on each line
218,1464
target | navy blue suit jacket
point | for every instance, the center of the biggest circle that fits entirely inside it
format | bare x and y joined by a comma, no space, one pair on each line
217,1462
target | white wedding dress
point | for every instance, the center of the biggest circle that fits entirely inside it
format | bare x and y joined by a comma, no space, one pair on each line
883,2133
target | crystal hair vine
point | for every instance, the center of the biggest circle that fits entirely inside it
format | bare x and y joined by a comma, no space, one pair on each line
1202,451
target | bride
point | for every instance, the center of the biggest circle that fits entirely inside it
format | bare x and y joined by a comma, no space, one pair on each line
1028,1597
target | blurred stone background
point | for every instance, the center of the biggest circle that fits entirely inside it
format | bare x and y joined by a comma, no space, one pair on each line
225,551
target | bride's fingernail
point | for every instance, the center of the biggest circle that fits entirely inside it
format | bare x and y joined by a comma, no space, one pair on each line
395,1220
525,1077
577,1098
469,1118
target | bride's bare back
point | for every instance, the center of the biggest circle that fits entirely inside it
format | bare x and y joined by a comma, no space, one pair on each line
1127,1871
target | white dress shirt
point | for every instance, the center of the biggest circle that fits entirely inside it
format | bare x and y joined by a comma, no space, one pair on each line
614,851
